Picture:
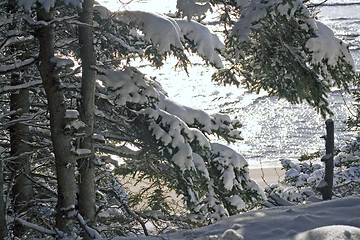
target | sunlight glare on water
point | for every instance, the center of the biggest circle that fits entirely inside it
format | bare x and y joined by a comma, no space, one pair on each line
272,128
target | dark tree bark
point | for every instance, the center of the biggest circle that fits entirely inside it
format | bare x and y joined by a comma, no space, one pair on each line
3,228
326,185
22,190
86,165
329,160
65,160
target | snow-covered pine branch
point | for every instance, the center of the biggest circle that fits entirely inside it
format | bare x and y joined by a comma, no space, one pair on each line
127,87
219,124
333,62
179,132
230,189
325,47
164,32
206,43
279,47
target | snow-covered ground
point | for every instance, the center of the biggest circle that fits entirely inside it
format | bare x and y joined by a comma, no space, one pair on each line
329,220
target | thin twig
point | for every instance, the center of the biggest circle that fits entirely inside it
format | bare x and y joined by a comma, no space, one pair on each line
263,174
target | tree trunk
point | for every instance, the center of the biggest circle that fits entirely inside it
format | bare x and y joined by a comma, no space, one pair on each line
3,228
86,165
325,185
22,190
329,160
65,161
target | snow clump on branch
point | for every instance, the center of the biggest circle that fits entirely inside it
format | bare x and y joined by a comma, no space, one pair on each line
211,124
159,29
207,44
128,86
327,46
164,32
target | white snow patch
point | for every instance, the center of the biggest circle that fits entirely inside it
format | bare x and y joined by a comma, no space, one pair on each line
128,85
183,158
254,185
192,116
77,125
99,113
228,177
229,156
98,137
71,114
208,44
331,220
333,232
161,30
238,202
200,164
327,47
231,234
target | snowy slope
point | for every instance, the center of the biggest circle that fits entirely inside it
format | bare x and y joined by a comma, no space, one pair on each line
331,220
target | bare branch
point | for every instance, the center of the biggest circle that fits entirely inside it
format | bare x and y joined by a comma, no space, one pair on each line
32,225
16,67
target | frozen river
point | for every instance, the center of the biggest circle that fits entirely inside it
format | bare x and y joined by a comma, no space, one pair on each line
273,128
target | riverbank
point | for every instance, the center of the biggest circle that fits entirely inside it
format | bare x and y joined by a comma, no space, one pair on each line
267,176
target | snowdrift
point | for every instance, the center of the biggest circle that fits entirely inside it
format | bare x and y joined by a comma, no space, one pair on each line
336,219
